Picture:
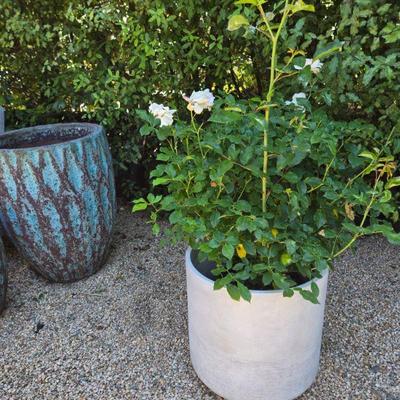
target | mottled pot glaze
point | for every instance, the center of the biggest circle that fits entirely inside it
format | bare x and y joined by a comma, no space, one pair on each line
264,350
57,197
3,277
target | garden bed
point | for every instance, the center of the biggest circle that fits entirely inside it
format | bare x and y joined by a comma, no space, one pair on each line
122,334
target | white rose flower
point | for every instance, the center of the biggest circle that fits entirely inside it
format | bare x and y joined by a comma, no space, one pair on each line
200,101
164,114
315,65
295,97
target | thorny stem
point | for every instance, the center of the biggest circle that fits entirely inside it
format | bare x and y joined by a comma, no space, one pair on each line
373,198
328,167
366,213
275,39
187,146
350,182
236,163
265,19
197,130
244,188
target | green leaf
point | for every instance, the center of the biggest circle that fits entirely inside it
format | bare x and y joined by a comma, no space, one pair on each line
145,130
387,231
224,167
299,5
393,36
156,229
328,50
319,219
140,206
252,2
220,283
267,278
160,181
321,265
245,223
244,292
369,75
384,9
145,116
314,289
217,271
242,275
259,267
153,199
368,154
288,293
214,218
309,296
386,196
225,117
291,246
393,182
236,22
228,251
280,281
246,155
234,292
243,205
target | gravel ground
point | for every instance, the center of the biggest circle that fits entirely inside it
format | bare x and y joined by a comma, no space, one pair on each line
121,334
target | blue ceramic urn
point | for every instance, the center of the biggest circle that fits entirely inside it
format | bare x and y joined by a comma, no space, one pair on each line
3,278
57,197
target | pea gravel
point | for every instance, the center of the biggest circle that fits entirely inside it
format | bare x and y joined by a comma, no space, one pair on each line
121,334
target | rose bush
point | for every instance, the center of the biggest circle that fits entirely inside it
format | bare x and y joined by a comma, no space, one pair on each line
269,188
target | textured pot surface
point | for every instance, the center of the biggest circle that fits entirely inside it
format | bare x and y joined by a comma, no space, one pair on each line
57,197
268,349
3,277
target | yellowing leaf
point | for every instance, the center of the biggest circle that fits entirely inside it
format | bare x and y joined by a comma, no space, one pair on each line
236,22
335,213
388,169
241,251
349,211
274,232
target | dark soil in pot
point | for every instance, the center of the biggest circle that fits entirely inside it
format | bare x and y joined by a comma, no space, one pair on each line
205,268
38,138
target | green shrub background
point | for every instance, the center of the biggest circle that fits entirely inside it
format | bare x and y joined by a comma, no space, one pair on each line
102,60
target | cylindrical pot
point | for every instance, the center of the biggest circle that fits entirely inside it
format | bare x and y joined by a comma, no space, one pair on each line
57,197
267,349
3,277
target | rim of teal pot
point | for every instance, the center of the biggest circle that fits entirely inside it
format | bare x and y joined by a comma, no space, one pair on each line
210,282
95,131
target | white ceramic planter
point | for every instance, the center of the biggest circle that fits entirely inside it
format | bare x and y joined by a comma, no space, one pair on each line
264,350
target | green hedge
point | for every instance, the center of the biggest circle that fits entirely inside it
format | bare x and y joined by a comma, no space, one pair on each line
101,60
364,80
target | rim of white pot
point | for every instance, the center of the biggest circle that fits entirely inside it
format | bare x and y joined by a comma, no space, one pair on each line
95,130
253,292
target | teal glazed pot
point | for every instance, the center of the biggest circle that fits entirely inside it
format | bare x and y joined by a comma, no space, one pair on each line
57,197
3,278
